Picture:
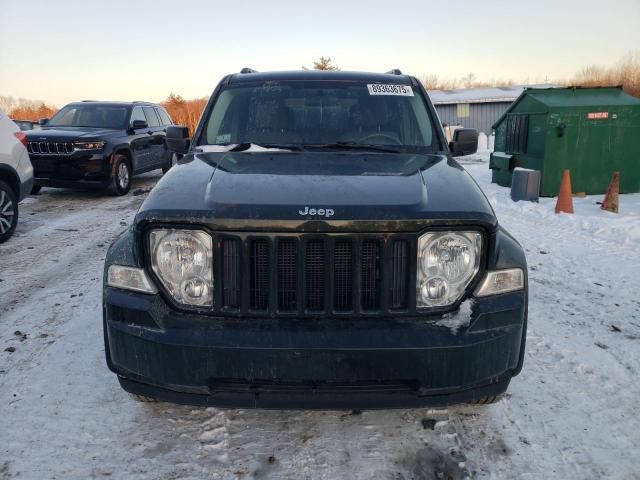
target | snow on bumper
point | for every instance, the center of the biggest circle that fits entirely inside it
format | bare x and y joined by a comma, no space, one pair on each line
335,363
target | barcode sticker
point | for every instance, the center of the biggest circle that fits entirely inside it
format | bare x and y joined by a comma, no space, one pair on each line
597,115
387,89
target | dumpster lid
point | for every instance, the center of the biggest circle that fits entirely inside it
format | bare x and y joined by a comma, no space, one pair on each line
575,97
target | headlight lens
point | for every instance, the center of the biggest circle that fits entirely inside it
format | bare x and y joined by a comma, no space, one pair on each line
88,145
447,262
183,261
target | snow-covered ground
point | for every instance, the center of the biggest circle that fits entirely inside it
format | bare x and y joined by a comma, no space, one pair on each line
573,413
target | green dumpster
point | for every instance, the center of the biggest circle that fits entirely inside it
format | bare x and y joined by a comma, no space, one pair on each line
591,131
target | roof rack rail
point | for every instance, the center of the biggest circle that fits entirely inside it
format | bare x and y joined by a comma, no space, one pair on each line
394,71
88,100
248,70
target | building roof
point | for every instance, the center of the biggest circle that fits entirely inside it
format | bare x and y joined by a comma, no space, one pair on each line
480,95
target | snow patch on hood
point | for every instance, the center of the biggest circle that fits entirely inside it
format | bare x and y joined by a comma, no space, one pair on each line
227,148
454,321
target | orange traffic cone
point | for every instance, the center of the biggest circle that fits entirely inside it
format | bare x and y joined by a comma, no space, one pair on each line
610,202
565,202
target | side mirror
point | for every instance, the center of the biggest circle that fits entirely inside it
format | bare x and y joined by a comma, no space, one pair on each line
178,139
139,124
43,121
465,142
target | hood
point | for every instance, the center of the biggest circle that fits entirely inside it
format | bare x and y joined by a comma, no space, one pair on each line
67,133
294,188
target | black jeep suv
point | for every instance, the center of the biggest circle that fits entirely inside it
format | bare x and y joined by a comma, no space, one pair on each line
317,247
99,145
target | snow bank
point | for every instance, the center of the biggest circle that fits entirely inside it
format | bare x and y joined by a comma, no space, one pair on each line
618,232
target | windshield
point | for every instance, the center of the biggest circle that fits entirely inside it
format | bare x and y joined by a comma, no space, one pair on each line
91,115
328,113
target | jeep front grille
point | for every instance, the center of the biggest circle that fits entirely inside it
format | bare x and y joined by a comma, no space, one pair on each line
50,148
314,275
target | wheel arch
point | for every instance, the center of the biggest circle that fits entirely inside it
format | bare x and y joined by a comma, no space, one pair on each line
9,176
126,151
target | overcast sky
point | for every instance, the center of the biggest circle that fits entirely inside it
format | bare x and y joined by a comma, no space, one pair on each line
65,50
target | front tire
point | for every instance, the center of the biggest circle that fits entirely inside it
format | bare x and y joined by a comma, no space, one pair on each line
120,176
8,212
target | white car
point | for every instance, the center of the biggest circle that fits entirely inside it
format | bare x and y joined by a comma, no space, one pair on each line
16,174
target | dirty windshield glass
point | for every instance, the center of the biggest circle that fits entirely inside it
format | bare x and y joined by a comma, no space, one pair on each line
320,113
102,116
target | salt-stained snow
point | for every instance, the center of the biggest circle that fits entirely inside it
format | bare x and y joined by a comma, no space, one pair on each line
574,412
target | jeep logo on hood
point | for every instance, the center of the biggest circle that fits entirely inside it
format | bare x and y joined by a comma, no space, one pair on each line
321,212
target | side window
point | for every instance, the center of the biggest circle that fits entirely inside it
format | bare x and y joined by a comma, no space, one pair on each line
152,118
137,114
164,116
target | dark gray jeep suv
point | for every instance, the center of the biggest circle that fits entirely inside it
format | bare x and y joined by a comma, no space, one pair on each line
318,246
99,145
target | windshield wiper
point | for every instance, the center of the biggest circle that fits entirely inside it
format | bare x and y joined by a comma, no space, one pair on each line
241,147
356,146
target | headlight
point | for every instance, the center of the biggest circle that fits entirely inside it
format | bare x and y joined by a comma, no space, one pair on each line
183,262
447,262
88,145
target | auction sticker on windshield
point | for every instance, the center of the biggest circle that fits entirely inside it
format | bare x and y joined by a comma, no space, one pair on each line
387,89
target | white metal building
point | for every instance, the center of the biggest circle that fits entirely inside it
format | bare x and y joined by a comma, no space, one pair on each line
477,108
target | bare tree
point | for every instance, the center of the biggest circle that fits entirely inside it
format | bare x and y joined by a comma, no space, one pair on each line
469,80
625,73
323,64
7,104
431,82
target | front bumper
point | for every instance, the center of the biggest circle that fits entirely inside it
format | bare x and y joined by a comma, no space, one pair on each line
25,188
74,171
303,363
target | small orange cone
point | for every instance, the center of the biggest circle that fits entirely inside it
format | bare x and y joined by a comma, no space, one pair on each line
610,202
565,202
